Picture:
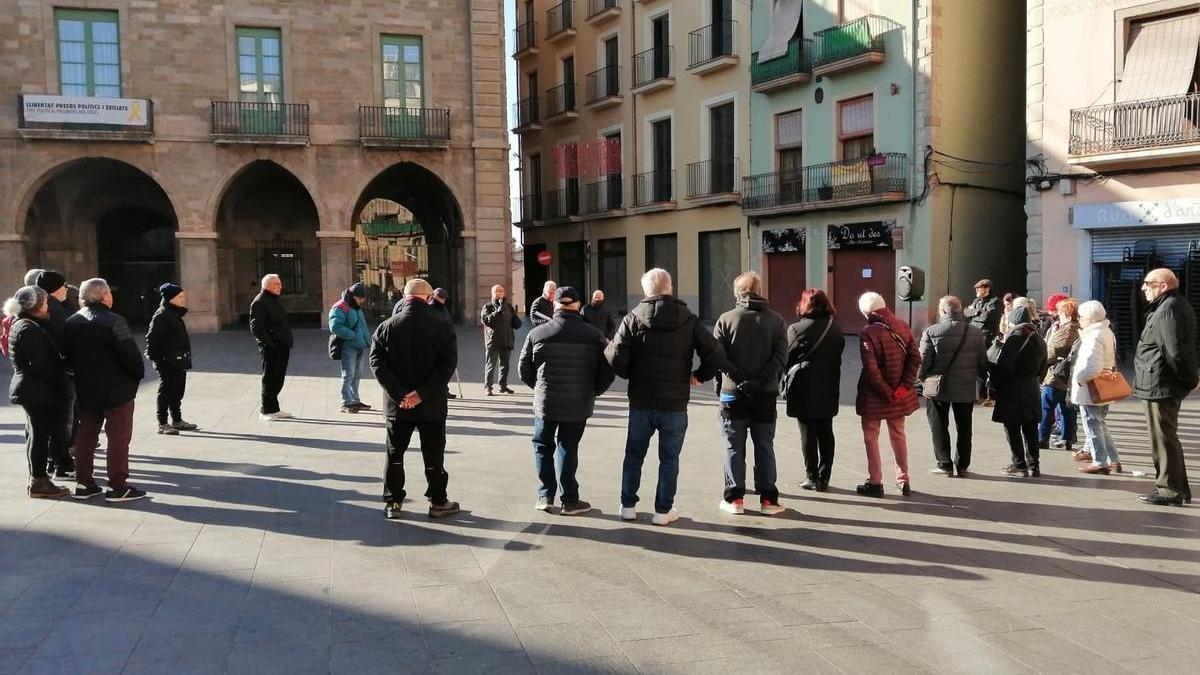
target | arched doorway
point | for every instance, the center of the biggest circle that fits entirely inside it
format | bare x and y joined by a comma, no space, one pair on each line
407,224
267,223
103,217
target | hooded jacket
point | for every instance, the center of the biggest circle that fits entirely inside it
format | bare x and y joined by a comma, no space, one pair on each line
269,322
890,360
1018,370
653,349
563,362
168,345
1165,363
348,321
754,338
104,356
938,345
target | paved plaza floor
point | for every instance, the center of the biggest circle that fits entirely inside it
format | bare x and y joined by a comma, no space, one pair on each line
264,549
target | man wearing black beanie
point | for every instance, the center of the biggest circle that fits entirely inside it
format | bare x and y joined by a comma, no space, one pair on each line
55,284
170,350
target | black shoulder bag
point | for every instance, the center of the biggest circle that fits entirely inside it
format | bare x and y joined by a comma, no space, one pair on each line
789,377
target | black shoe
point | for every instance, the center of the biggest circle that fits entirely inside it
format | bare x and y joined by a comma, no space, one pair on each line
442,510
505,390
391,510
86,491
350,408
125,494
905,489
1035,472
450,396
823,486
575,508
1014,470
962,473
869,489
181,425
64,472
489,391
1043,445
808,484
1159,500
361,406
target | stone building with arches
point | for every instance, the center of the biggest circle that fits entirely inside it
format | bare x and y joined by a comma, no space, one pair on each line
206,145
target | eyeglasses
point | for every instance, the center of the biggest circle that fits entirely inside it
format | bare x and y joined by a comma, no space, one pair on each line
1150,282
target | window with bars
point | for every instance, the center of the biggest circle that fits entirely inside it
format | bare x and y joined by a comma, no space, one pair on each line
282,258
89,53
403,75
260,65
856,127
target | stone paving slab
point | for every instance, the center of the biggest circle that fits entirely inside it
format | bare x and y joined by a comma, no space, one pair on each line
263,549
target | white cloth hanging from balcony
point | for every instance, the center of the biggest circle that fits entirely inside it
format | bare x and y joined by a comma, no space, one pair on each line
1160,58
785,21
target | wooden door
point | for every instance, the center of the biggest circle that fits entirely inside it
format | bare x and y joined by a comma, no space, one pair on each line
785,275
856,271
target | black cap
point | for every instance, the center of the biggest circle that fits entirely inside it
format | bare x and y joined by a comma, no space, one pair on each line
441,293
50,280
358,290
168,291
566,295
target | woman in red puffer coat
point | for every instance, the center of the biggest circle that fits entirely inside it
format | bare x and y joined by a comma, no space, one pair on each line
890,361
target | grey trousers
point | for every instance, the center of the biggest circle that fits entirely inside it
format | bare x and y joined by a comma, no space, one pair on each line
1162,417
496,364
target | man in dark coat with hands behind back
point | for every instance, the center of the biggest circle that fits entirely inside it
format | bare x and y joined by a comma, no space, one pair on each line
271,330
170,350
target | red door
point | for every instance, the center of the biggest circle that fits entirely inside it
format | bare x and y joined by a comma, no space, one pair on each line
785,276
856,271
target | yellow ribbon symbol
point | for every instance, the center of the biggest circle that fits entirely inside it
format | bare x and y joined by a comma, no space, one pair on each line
135,112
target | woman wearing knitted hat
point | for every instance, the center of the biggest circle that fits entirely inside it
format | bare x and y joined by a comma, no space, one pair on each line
38,383
170,350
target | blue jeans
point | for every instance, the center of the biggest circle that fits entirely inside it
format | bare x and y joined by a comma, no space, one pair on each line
1056,400
1104,452
762,434
547,452
352,366
671,428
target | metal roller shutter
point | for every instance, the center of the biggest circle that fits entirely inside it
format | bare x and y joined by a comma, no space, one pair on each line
1109,245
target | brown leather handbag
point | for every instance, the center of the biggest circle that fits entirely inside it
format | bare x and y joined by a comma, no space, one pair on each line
1105,390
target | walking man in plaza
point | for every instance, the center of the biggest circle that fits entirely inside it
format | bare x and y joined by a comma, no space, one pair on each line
413,355
563,362
541,310
1165,372
271,330
108,367
754,338
599,314
984,313
500,322
952,359
348,324
169,348
653,349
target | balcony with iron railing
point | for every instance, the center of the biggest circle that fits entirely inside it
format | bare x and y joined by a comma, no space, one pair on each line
560,21
603,196
525,39
1159,131
792,68
527,113
561,204
711,48
560,103
872,179
395,127
713,180
851,45
600,11
654,189
603,87
42,116
255,123
652,69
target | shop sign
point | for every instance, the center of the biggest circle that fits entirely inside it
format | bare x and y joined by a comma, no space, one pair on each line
403,268
1135,214
877,234
786,240
124,112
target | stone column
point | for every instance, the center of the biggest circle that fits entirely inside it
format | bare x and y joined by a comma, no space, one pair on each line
13,253
198,276
337,263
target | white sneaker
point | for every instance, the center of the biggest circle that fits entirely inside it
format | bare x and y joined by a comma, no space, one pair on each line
283,415
665,518
628,513
267,417
737,507
542,504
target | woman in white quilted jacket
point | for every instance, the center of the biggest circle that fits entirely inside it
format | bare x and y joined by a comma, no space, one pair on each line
1097,359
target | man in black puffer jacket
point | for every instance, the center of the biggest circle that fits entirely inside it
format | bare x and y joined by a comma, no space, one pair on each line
271,330
653,349
60,308
563,361
170,350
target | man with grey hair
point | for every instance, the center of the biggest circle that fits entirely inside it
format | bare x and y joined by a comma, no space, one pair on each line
1166,370
271,330
953,357
500,322
653,349
754,338
541,310
108,367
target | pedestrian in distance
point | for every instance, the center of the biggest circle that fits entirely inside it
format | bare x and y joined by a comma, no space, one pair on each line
271,330
886,389
563,362
500,323
1016,373
1056,385
102,353
984,313
953,357
38,384
541,310
1166,370
812,382
413,356
61,465
170,351
754,339
653,349
1096,359
350,339
599,314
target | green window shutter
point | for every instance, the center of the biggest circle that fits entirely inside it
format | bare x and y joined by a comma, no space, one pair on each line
260,65
403,60
89,53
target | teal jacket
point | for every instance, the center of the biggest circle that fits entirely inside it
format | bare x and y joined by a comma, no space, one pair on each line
350,324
